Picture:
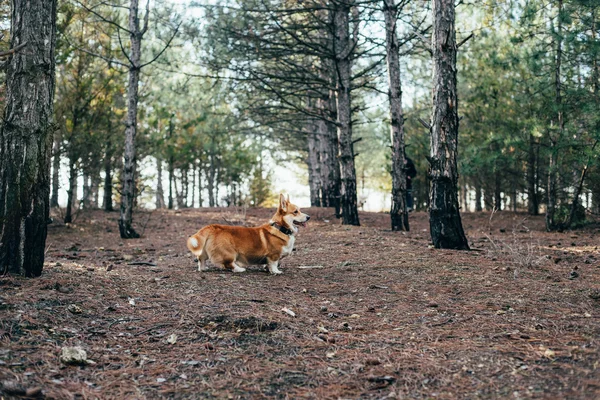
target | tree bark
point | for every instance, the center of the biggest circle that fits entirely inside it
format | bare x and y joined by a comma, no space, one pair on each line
328,150
56,153
478,197
107,198
444,217
72,191
200,185
551,224
314,165
398,211
160,197
129,160
343,50
26,138
532,196
211,180
497,189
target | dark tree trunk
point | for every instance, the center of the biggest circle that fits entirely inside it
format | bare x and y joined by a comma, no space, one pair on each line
398,211
497,189
129,158
328,150
514,195
344,48
193,185
55,170
532,195
463,196
171,182
478,198
72,192
87,192
488,198
578,191
444,217
314,166
107,203
551,224
26,138
200,185
184,188
160,197
211,181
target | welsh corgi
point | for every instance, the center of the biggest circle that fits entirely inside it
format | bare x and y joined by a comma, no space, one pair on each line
230,246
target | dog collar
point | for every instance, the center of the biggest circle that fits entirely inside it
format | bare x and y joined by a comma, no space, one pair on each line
282,229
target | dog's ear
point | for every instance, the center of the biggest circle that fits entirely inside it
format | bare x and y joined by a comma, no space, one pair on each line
282,203
288,198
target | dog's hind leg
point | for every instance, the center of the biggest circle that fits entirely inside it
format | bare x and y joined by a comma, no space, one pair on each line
233,266
202,261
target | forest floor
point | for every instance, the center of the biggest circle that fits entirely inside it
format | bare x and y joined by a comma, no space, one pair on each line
378,314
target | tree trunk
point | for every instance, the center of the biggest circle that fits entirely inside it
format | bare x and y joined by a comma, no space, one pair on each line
87,191
398,211
463,193
478,198
184,188
578,191
193,185
160,197
200,185
72,192
26,138
314,166
444,217
497,189
95,190
55,170
554,141
107,198
211,181
129,161
488,198
344,48
532,196
328,150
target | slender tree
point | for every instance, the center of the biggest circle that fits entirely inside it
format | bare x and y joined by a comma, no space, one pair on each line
26,138
444,217
398,212
343,59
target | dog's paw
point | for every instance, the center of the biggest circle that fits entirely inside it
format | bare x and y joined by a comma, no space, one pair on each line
276,272
239,269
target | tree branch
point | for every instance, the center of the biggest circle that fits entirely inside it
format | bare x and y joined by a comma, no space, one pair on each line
145,28
102,17
164,48
465,40
13,50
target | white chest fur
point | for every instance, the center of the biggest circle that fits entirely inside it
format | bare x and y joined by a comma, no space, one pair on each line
287,250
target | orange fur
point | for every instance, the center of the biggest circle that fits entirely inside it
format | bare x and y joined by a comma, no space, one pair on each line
230,246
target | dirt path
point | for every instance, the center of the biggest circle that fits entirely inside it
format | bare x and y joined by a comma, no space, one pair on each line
378,314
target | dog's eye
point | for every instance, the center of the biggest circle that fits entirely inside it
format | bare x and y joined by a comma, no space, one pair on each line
296,212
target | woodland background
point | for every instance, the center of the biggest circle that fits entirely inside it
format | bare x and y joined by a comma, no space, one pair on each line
242,86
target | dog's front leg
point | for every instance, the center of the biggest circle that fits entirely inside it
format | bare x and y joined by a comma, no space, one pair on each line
273,267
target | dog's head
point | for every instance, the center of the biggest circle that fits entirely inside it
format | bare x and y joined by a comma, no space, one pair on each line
291,214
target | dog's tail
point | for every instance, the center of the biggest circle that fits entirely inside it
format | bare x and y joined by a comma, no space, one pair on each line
196,242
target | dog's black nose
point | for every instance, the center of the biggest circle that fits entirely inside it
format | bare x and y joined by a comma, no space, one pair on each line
307,217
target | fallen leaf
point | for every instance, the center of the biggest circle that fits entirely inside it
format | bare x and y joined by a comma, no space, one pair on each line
74,308
172,339
288,311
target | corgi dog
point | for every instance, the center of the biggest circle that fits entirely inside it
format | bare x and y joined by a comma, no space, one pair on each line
233,246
